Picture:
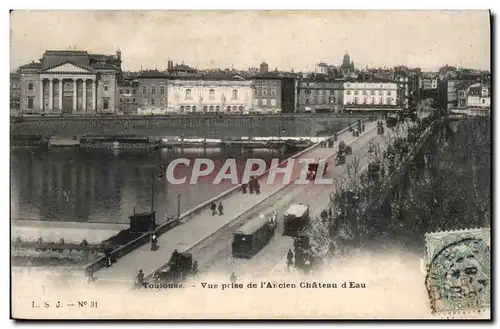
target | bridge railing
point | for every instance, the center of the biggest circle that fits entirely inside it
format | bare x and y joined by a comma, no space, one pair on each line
165,227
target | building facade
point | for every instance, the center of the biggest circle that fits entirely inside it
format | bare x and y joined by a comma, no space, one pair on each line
70,82
478,95
370,95
151,93
15,92
127,95
210,94
319,95
273,93
321,68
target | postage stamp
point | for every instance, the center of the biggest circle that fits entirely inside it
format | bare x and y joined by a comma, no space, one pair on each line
458,270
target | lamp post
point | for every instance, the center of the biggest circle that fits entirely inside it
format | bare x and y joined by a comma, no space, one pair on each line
350,128
178,205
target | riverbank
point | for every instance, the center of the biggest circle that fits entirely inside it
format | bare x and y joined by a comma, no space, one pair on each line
145,143
71,232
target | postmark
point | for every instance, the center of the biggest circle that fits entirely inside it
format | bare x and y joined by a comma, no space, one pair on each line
459,270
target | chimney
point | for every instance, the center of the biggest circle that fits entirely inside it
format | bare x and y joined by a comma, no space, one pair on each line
119,54
170,65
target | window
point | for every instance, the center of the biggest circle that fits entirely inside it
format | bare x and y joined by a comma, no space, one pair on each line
144,89
105,87
194,108
30,102
364,92
235,108
372,93
380,93
264,102
255,92
205,108
356,92
133,100
145,101
273,93
373,100
308,92
211,94
153,90
211,108
153,101
121,91
188,108
105,103
182,108
264,92
133,91
162,90
235,94
307,101
348,92
255,102
241,108
228,109
30,86
217,108
121,100
188,94
483,101
356,100
364,100
388,93
273,102
127,91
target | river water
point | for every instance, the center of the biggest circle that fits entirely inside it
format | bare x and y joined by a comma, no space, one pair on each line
104,186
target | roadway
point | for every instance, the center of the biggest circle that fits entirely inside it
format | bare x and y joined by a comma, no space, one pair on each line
203,226
214,254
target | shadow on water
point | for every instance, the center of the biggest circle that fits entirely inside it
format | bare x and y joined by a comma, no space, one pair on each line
105,185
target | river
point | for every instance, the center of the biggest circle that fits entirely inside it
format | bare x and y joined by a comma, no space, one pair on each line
104,186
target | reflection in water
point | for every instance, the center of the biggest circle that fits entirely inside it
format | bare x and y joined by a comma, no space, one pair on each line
106,185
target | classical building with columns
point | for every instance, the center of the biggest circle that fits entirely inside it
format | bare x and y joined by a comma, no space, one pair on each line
70,82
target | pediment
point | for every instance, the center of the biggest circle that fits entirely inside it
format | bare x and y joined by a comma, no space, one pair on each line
68,68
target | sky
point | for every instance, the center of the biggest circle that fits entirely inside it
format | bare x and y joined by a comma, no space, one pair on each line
241,39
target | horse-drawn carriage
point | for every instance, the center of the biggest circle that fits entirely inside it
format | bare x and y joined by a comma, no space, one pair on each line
179,267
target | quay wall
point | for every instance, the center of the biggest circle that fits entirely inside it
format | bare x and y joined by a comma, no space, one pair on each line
200,126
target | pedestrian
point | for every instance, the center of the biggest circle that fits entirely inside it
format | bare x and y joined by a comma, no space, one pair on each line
154,243
195,268
244,188
221,209
213,207
257,187
233,278
289,259
139,280
107,255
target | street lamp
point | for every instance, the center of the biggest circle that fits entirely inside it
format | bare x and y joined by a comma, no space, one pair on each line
350,128
178,205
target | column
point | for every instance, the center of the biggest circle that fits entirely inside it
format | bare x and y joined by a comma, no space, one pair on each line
84,101
94,98
74,95
51,94
41,95
60,94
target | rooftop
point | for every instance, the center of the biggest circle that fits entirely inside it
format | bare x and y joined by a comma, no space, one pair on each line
252,226
297,210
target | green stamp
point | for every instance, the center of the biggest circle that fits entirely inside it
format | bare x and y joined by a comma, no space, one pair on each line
458,270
